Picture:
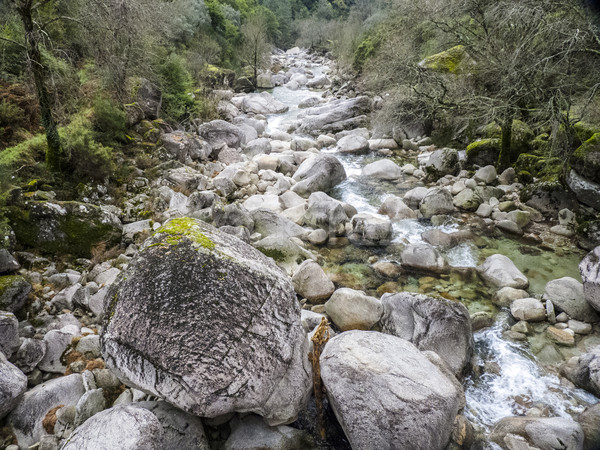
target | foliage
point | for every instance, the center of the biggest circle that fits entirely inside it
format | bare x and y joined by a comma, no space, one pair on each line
108,121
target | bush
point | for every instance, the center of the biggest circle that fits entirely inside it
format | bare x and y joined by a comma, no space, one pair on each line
11,117
108,121
176,84
25,154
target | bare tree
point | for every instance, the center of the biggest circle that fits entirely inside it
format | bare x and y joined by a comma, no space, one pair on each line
256,48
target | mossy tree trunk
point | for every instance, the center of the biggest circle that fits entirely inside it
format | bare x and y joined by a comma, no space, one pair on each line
54,154
505,158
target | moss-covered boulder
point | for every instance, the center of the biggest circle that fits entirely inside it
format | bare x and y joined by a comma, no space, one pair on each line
586,159
585,131
14,290
521,137
208,323
548,197
544,168
454,60
483,152
8,239
60,228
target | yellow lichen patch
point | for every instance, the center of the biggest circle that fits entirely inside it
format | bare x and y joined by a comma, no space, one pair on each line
176,229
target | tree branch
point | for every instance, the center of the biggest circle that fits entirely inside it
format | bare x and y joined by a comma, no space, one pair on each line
13,42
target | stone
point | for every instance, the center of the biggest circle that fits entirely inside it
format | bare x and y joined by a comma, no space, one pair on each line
353,310
251,432
486,174
219,132
566,294
13,383
89,346
326,213
423,256
434,324
506,295
383,144
149,98
510,227
589,420
543,433
369,230
9,334
467,199
481,320
353,144
8,263
320,172
318,237
309,103
300,144
579,327
383,169
529,309
14,290
521,218
484,210
585,190
186,147
336,115
224,297
386,394
318,82
57,342
233,215
442,162
498,270
262,103
312,283
267,222
90,403
30,353
590,274
414,197
560,337
396,209
144,425
33,406
437,202
584,371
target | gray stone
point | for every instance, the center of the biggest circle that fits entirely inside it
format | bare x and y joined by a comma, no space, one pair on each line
467,199
506,295
386,394
590,423
90,403
395,208
57,342
336,115
414,197
219,132
326,213
353,310
500,271
383,169
9,333
510,227
566,294
223,296
436,202
529,309
267,222
370,230
584,371
585,190
14,290
353,144
442,162
8,263
486,174
186,147
251,432
262,103
552,433
423,256
434,324
30,353
89,346
320,172
590,274
145,425
579,327
13,383
311,282
26,418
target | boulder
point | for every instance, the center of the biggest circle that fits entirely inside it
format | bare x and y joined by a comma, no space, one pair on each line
384,169
386,394
9,333
590,274
33,406
353,144
318,82
326,213
434,324
584,371
262,103
500,271
60,228
143,425
437,202
529,309
267,222
486,174
395,208
353,310
13,383
311,282
585,190
186,322
442,162
219,132
320,172
258,147
566,294
185,146
370,230
251,432
415,196
148,97
468,200
336,116
551,433
590,423
57,342
8,263
423,256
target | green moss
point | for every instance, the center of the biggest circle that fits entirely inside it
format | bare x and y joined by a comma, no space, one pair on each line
176,229
483,152
586,159
7,281
273,253
546,169
449,61
540,145
585,131
492,131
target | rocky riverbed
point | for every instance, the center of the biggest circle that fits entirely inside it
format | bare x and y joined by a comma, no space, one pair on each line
462,316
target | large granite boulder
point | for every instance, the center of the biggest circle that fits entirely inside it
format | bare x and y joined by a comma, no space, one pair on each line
552,433
320,172
13,383
438,201
14,290
499,271
208,323
442,162
435,324
219,132
386,394
144,425
566,294
59,228
423,257
370,230
262,103
336,116
186,146
590,274
584,371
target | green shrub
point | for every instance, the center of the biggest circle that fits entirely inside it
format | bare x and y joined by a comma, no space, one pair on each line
176,82
108,121
11,118
27,153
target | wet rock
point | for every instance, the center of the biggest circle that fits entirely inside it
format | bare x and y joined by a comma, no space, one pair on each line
547,433
442,162
436,202
566,294
318,173
311,282
9,333
529,309
423,256
147,425
590,273
326,213
434,324
353,310
395,208
13,383
223,296
561,337
370,230
584,371
353,144
383,169
26,419
481,320
386,393
262,103
500,271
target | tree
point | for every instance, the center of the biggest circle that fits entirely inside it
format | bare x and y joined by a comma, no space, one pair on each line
255,48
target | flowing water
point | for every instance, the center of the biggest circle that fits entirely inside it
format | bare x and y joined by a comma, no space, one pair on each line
510,379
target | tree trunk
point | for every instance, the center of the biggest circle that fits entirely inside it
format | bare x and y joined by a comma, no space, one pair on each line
505,157
54,154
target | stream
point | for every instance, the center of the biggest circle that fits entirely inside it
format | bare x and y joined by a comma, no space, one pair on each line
510,378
